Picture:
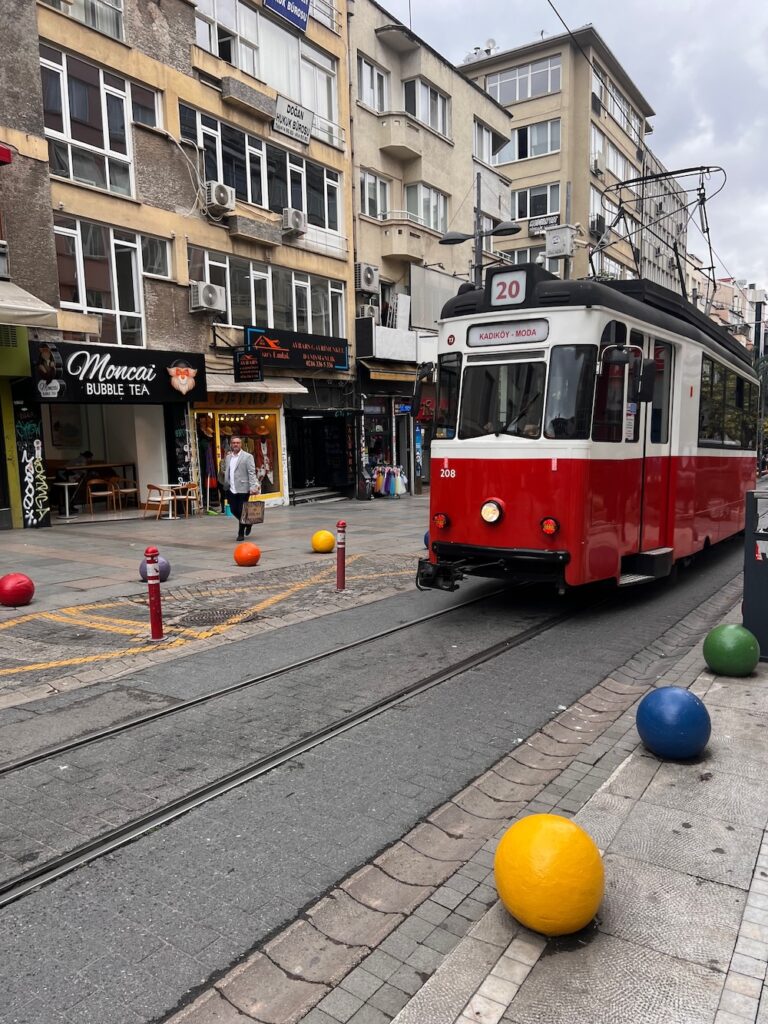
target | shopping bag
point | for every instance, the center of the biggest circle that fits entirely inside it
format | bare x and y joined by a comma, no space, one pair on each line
253,513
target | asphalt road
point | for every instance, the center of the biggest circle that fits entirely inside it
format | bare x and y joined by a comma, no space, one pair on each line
126,938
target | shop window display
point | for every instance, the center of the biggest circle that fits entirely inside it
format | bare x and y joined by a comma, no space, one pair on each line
259,433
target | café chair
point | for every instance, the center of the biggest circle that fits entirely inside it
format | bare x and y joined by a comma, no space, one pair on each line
157,498
101,490
125,488
189,497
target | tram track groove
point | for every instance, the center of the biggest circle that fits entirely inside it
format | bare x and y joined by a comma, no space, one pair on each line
20,885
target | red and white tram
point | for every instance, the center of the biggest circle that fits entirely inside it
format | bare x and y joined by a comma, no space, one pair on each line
584,431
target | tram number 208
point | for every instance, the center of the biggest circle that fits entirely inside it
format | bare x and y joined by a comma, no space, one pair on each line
447,474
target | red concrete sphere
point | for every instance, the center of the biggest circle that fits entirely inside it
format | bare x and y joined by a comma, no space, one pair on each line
16,589
247,553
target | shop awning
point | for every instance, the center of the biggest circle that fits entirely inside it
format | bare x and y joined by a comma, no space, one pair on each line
24,309
270,385
379,370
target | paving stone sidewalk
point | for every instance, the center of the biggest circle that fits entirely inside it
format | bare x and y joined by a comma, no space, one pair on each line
418,935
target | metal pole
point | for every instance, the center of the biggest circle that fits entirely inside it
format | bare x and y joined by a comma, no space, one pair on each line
478,267
153,586
341,554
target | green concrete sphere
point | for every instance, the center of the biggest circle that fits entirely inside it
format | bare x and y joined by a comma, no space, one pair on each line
731,650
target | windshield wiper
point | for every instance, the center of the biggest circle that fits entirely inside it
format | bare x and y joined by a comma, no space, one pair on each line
515,419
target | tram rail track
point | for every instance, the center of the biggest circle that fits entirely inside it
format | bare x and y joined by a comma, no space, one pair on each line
20,885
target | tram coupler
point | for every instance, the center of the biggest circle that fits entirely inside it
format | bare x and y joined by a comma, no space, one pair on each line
440,576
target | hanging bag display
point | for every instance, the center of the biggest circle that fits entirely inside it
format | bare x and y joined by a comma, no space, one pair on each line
253,512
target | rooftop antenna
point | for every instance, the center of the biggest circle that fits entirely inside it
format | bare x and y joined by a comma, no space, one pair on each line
490,46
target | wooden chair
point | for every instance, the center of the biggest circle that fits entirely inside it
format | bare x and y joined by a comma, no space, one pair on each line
157,497
125,488
189,497
101,490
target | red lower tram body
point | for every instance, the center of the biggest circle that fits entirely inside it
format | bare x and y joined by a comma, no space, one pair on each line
624,519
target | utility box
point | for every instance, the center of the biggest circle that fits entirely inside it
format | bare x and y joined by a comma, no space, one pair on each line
559,241
755,606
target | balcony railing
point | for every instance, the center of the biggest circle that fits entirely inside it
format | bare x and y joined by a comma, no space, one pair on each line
325,12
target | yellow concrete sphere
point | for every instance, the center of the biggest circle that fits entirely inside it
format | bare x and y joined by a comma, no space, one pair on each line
323,541
549,874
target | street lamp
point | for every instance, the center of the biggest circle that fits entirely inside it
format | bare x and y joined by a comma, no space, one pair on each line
506,227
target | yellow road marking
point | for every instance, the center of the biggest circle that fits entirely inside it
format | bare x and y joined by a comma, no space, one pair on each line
40,666
85,624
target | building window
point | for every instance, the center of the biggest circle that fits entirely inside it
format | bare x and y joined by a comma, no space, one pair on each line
104,15
427,206
258,293
372,85
263,174
100,273
426,104
537,201
530,255
154,257
526,81
86,113
483,143
615,103
244,37
530,141
374,195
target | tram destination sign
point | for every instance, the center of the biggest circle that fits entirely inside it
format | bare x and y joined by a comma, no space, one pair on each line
109,374
290,350
514,332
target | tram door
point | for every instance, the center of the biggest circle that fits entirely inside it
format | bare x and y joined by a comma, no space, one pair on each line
654,532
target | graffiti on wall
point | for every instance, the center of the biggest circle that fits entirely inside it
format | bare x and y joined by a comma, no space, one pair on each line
35,498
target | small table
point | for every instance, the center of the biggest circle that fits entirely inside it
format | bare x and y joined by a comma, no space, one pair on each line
170,490
66,484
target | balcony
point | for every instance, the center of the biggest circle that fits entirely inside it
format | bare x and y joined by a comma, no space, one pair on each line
403,238
400,136
385,343
262,231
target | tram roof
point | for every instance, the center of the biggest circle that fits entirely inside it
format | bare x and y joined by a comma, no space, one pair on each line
640,299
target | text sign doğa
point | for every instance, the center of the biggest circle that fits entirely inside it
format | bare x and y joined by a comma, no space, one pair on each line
293,120
513,333
508,289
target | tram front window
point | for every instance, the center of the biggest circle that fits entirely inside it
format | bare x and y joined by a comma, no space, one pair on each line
502,399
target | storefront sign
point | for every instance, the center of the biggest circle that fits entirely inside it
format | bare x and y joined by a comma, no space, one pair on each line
293,120
538,225
295,11
63,372
403,408
247,369
292,351
512,333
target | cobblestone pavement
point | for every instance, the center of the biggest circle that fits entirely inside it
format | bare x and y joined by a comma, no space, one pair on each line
418,936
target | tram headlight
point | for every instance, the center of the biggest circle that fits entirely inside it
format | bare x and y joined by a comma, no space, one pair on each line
549,526
491,511
440,520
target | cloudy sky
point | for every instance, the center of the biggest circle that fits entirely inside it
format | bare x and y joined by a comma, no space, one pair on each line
702,65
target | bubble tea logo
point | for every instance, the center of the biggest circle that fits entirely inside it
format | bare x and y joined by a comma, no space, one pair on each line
182,376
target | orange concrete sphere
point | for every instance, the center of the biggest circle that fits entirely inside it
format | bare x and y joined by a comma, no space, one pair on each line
549,874
247,553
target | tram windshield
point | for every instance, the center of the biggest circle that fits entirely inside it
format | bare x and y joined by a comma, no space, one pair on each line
506,398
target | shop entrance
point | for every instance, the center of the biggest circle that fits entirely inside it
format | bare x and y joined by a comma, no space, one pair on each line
318,449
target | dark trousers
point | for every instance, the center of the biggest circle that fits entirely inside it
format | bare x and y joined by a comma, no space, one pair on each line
236,502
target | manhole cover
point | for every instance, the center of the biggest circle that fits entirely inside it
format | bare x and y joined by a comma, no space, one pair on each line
210,617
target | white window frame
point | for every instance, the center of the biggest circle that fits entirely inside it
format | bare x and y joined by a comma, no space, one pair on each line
134,245
423,92
80,9
519,78
382,191
482,143
509,154
553,192
66,138
530,254
373,94
432,199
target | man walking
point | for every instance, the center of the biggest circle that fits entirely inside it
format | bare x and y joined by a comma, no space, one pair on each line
239,481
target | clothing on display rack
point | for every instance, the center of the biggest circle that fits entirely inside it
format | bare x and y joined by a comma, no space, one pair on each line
389,481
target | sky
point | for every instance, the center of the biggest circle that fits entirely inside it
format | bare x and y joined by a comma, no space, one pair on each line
702,65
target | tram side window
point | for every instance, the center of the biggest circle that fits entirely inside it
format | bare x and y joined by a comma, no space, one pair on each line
712,405
569,391
447,398
749,424
608,416
734,409
662,355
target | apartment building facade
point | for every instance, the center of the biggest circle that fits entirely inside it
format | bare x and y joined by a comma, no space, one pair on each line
179,173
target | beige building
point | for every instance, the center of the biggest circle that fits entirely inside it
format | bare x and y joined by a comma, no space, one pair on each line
424,139
580,127
179,172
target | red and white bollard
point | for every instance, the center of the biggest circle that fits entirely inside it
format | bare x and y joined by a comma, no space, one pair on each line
341,554
153,585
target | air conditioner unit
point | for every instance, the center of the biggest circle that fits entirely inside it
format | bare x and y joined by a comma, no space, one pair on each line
369,310
598,163
5,268
657,251
294,221
219,198
366,277
597,225
207,298
659,208
672,263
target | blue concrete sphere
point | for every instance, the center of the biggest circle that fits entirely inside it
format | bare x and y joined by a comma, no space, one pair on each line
673,723
165,569
426,539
